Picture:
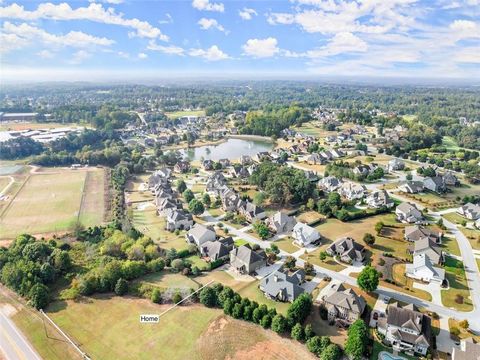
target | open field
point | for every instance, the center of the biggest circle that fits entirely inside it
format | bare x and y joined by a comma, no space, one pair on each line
52,201
110,329
17,126
455,274
177,114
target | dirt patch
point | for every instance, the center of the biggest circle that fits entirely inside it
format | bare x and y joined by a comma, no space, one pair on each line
227,338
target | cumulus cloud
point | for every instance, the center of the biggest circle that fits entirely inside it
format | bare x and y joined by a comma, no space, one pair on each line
79,57
25,34
45,54
142,56
247,13
213,53
206,24
468,55
341,43
208,6
261,48
94,12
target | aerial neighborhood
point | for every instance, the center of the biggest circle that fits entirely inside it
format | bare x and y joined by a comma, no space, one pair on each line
347,232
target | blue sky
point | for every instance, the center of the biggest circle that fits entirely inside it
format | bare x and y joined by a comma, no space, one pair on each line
89,40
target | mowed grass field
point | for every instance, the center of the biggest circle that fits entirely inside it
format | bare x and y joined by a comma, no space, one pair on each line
177,114
51,201
108,327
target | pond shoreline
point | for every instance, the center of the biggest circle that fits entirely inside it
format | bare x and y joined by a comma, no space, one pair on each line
252,137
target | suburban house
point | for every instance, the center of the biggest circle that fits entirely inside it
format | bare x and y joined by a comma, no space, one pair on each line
224,162
231,201
379,199
165,204
416,233
199,234
207,164
470,211
215,182
449,179
406,329
408,213
314,159
217,249
364,170
182,167
469,350
352,191
422,269
435,184
245,160
282,286
342,303
429,248
347,249
246,261
178,220
395,165
251,211
329,183
239,171
281,222
304,234
411,187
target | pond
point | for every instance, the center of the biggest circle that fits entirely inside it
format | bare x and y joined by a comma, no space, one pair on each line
232,149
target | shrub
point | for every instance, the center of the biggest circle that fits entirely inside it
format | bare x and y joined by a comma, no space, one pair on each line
459,299
455,331
266,321
297,332
279,324
208,297
156,296
309,333
464,324
176,298
38,296
300,308
121,287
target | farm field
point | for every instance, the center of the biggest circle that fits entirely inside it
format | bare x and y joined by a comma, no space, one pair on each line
110,329
52,201
17,126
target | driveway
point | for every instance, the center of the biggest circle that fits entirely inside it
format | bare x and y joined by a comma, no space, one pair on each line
444,342
433,289
380,308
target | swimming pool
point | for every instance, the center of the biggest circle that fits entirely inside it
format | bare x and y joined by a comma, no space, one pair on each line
387,356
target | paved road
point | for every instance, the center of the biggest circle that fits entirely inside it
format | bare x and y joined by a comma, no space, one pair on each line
13,345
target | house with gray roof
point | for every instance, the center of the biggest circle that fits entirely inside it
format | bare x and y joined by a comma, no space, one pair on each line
406,329
395,165
251,211
178,219
468,350
246,261
347,249
423,270
435,184
304,234
379,199
329,183
430,248
418,232
200,234
411,187
342,303
280,222
470,211
408,213
217,249
283,286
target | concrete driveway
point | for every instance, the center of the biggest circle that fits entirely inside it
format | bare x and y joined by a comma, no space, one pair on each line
433,289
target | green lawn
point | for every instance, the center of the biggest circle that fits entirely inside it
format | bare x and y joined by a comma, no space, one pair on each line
177,114
251,291
455,274
195,260
240,242
286,244
455,218
165,280
450,245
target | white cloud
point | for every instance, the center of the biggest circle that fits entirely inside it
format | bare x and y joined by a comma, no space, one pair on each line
206,24
26,34
142,56
208,6
113,2
261,48
45,54
341,43
79,57
247,14
94,12
468,55
168,20
171,50
211,54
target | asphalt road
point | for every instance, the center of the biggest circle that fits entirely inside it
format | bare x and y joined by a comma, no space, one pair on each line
13,345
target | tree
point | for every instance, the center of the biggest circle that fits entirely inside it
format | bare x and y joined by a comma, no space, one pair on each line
259,313
178,264
369,239
297,332
196,207
38,296
262,230
300,308
121,287
188,195
156,296
279,324
368,279
309,333
208,297
334,200
266,321
310,204
323,255
314,345
290,262
237,311
464,324
331,352
176,298
207,201
357,340
379,227
308,268
181,186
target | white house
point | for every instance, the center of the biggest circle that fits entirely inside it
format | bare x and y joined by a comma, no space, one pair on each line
422,269
470,211
305,235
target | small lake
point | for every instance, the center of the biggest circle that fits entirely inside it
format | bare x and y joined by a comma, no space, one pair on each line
232,149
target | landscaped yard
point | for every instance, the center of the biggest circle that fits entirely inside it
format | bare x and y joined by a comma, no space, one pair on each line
309,217
405,284
286,244
52,201
450,244
458,287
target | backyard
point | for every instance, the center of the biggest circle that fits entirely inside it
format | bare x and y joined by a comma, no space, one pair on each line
458,294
